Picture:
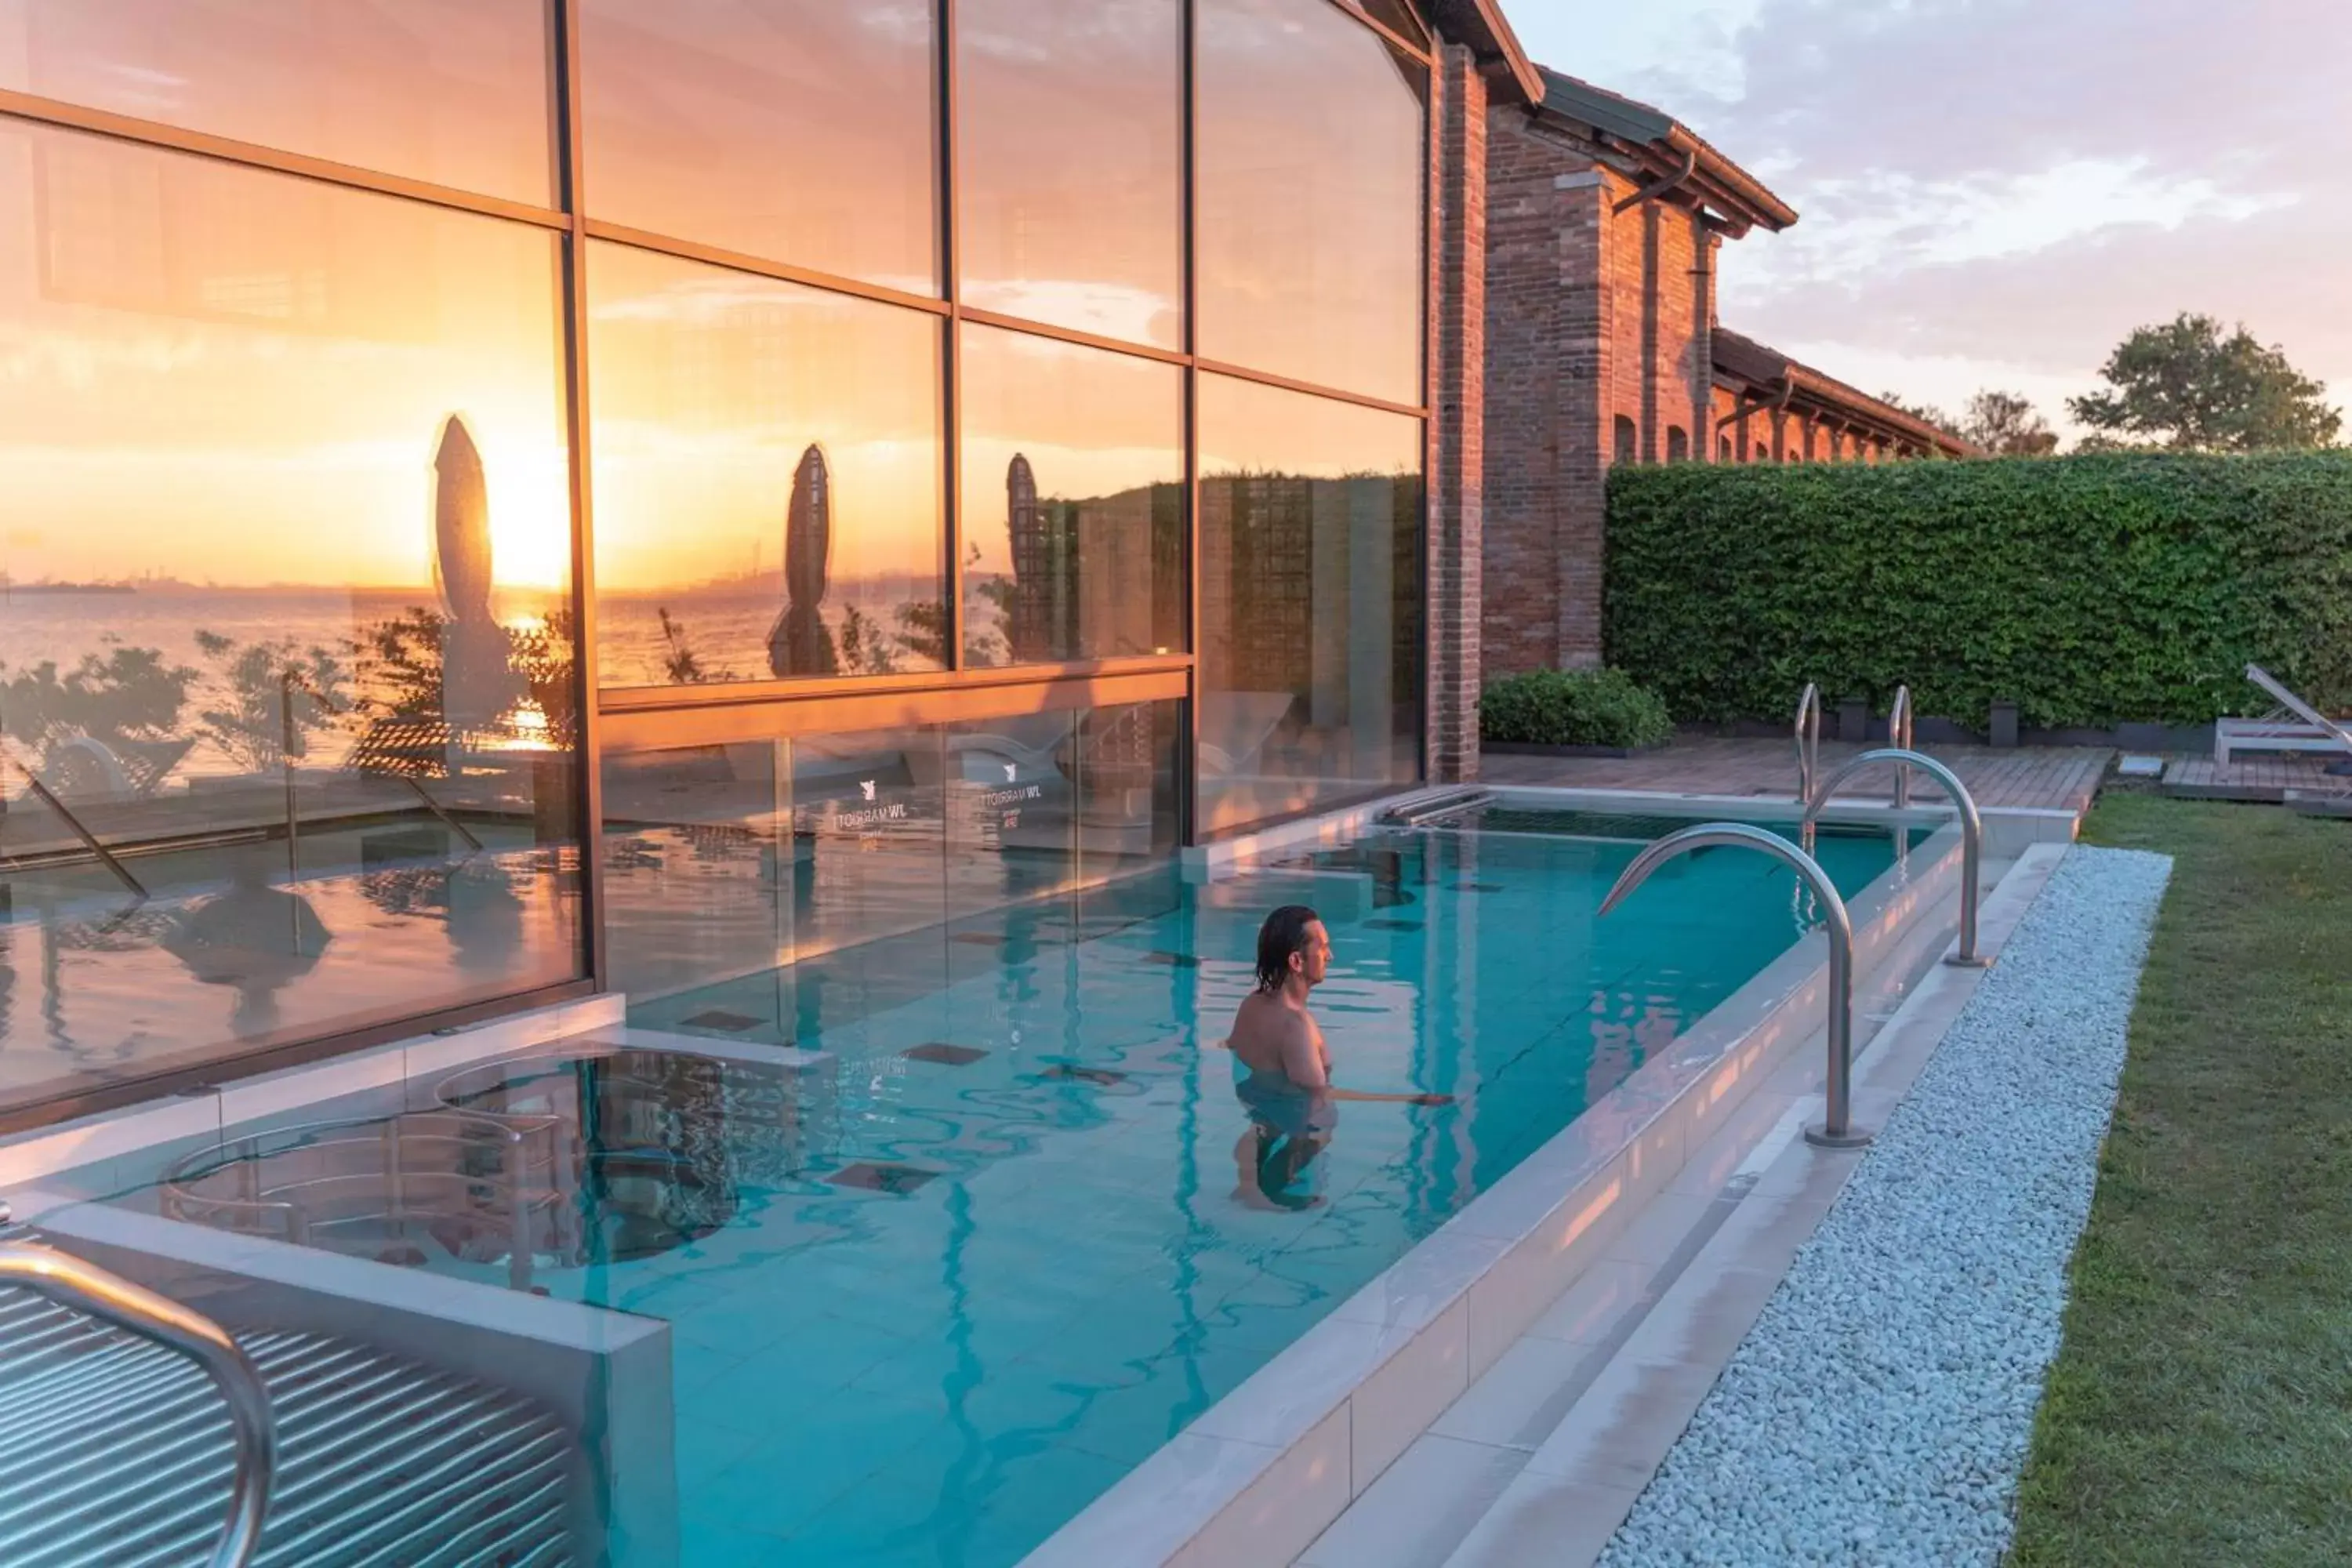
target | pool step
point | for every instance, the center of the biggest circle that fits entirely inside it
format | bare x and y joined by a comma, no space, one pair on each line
115,1453
1426,809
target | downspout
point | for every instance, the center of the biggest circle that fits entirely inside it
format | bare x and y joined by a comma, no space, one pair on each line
1661,185
1702,372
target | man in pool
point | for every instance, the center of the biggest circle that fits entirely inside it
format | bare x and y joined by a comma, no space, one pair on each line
1282,1067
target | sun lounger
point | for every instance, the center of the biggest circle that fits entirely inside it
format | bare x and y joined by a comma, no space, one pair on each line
2294,725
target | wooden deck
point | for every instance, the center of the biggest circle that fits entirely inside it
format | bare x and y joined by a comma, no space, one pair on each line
2046,778
2272,778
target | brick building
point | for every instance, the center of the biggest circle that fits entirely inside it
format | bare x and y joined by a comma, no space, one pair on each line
1605,219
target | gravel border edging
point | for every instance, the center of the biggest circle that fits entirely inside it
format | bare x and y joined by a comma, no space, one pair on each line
1879,1409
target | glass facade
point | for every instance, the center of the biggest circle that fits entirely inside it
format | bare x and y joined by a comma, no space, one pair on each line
454,92
1069,163
1310,584
805,882
1309,171
768,462
803,131
324,477
287,694
1073,469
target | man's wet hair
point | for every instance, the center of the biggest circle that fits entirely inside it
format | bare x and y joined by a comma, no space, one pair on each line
1284,933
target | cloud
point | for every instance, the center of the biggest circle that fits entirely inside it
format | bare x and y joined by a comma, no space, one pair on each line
1954,89
2012,186
2061,308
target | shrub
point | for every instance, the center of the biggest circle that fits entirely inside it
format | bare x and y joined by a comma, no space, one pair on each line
2090,590
1573,708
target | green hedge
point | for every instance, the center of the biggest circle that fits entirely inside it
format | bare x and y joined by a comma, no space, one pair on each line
1573,708
2091,591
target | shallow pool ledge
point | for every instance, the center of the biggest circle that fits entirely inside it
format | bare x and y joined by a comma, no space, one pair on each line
1265,1470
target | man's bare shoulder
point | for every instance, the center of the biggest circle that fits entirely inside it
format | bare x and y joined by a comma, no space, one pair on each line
1268,1023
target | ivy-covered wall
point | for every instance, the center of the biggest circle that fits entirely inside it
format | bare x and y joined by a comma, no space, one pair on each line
2091,591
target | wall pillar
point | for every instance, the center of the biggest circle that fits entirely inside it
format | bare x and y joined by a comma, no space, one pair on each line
1454,494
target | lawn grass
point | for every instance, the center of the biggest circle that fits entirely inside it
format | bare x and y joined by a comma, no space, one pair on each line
2201,1407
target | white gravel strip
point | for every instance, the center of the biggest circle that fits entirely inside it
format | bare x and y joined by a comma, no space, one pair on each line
1878,1411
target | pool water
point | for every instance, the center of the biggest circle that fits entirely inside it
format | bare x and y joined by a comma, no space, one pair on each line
1054,1273
954,1228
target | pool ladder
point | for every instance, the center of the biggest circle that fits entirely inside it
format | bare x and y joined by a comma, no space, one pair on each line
1899,731
1836,1129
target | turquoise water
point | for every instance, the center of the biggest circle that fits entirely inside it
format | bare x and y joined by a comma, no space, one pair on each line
943,1369
994,1227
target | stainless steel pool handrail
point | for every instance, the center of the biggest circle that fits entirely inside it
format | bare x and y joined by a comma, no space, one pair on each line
283,1203
1971,832
1898,735
71,1283
1809,740
1836,1129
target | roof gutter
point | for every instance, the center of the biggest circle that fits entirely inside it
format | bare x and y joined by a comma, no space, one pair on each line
1902,426
1737,183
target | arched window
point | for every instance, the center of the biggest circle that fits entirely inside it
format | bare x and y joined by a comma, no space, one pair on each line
1629,441
1677,444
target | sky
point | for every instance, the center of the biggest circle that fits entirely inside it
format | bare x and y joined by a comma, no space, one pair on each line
1994,192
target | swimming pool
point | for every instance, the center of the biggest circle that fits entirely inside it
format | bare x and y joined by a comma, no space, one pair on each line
980,1240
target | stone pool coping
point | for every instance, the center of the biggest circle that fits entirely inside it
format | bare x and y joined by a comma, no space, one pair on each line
2009,831
1261,1474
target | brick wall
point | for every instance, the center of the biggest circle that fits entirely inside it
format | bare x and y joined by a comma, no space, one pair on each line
1592,316
1546,349
1457,426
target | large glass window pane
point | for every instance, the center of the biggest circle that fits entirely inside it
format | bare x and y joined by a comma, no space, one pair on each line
1073,501
767,476
1308,194
1310,601
454,92
1012,826
802,130
1068,160
776,891
829,890
1128,803
287,557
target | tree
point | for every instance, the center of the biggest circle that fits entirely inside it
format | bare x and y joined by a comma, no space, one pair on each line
2006,425
278,692
133,693
2185,386
1926,412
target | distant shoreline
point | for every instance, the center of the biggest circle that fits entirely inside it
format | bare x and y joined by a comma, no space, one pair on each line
12,589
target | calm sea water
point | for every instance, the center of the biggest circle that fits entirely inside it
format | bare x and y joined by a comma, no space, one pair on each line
725,629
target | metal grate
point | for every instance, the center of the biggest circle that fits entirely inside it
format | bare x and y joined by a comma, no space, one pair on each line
115,1453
